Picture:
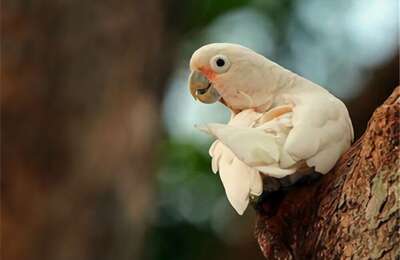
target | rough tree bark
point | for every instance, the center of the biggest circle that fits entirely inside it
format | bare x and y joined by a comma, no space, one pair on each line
350,213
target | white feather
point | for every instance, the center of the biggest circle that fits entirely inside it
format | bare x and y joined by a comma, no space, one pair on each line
239,180
296,121
322,129
252,146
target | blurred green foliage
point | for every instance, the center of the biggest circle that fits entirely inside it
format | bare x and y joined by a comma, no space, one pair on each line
187,192
194,15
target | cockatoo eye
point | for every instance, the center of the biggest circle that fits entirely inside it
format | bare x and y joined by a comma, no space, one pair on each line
220,63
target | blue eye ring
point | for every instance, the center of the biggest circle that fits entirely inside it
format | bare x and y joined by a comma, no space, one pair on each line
220,63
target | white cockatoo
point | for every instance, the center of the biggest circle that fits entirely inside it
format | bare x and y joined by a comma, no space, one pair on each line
282,125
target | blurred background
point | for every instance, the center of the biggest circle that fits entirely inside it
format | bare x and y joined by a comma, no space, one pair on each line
99,156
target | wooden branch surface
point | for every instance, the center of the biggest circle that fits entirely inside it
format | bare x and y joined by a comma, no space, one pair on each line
350,213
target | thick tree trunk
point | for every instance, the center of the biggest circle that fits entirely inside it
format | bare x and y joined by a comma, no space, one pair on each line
81,84
350,213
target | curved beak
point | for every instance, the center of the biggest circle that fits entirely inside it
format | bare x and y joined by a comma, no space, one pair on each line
202,89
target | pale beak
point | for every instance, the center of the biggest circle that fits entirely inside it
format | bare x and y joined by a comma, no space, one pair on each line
202,89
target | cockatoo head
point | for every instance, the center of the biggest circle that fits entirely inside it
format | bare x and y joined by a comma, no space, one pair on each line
235,75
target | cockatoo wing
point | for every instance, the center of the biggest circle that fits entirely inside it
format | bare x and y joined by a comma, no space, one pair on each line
239,180
322,129
260,147
251,145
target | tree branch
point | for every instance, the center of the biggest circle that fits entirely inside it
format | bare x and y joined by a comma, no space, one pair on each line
351,212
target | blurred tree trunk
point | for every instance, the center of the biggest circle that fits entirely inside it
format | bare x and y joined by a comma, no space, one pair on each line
81,82
380,82
350,213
